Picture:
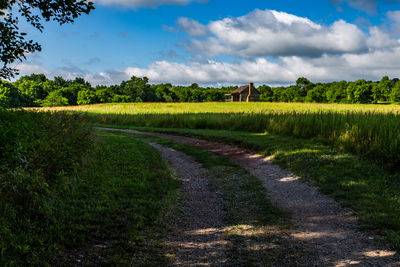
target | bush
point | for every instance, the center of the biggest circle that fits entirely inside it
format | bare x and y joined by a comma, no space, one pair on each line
38,152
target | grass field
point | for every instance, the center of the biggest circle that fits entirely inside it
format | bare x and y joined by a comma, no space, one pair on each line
351,152
370,131
217,107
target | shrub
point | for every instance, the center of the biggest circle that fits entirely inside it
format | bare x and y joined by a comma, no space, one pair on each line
38,152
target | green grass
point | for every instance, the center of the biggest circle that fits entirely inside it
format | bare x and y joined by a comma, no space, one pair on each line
367,188
60,192
122,197
255,227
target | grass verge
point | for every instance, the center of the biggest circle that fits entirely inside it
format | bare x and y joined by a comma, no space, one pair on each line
255,227
119,206
367,188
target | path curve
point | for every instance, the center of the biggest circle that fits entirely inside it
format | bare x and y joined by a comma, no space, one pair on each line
328,229
199,240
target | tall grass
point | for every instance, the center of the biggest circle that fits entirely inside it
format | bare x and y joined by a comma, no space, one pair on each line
374,135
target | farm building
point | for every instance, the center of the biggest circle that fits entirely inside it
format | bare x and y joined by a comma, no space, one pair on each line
245,93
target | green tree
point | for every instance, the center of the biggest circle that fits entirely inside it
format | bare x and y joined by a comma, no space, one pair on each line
385,88
71,92
395,94
86,97
317,94
13,45
9,95
359,92
336,92
363,93
55,98
266,93
135,88
32,92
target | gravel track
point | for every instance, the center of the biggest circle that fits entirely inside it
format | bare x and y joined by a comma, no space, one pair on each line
328,229
197,239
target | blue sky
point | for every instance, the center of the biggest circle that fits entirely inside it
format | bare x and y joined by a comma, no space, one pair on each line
218,42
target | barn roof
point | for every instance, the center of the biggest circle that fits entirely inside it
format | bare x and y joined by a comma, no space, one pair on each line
244,88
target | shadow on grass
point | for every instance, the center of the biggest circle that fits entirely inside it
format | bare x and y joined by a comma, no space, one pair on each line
256,228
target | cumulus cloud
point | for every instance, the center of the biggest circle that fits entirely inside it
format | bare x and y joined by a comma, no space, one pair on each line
271,47
272,33
145,3
371,65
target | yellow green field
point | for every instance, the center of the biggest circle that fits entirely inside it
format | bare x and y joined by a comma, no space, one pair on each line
216,107
372,131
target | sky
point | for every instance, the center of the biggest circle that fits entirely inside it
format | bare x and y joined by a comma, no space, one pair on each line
221,42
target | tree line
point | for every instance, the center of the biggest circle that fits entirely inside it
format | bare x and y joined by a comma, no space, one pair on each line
36,90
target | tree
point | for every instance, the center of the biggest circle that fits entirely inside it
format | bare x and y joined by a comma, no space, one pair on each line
9,95
360,92
135,88
336,92
384,87
13,45
86,97
71,92
32,91
317,94
395,94
266,93
55,98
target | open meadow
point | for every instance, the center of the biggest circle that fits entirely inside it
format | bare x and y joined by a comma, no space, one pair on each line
349,152
371,131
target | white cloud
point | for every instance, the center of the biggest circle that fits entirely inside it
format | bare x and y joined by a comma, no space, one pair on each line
145,3
371,65
394,16
296,47
271,33
192,27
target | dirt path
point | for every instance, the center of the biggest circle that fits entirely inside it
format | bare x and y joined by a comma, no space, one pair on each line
199,240
329,230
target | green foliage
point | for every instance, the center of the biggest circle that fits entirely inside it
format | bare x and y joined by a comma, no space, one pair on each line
317,94
39,151
395,94
54,98
86,97
9,95
13,45
58,191
36,87
71,92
